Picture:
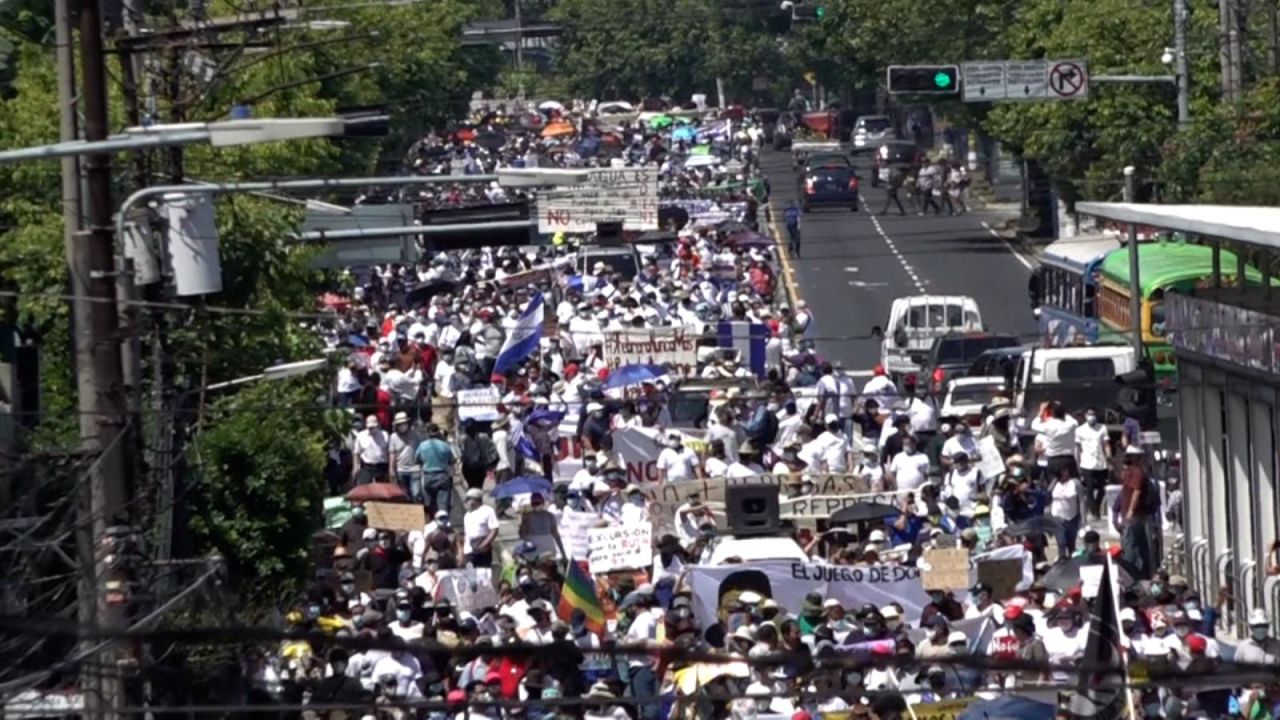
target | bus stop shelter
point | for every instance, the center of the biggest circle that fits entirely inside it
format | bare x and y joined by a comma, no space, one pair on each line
1226,336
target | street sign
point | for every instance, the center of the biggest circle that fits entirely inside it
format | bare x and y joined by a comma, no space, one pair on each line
1068,80
1025,80
983,81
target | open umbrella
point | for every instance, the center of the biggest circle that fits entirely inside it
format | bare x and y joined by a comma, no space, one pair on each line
523,485
684,133
423,292
863,512
1009,707
1065,575
1040,525
490,140
633,375
558,129
748,239
688,680
376,491
661,122
701,160
550,105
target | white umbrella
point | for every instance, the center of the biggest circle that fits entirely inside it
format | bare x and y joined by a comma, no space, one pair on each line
697,161
550,105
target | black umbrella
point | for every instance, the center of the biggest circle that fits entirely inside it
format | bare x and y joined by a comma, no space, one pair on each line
729,227
864,512
672,216
423,292
490,140
1040,525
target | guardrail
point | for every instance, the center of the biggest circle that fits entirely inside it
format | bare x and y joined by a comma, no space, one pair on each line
1220,563
1200,569
1271,602
1249,592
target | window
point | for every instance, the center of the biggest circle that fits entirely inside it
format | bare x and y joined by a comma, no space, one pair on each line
1086,369
917,316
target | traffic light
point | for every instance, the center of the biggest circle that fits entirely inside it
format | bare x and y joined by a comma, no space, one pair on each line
1138,398
805,11
924,79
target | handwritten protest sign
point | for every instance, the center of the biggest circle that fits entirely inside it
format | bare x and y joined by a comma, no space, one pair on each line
674,347
480,404
621,547
946,568
575,531
824,506
401,517
467,589
942,709
991,465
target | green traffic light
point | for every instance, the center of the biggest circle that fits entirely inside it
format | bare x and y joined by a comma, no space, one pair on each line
942,80
821,12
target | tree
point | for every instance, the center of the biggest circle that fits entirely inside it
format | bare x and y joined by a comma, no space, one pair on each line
259,485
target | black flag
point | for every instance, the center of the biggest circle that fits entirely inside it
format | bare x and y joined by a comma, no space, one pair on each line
1100,694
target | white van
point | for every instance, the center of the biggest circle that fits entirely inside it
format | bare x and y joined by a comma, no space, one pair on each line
915,321
1078,377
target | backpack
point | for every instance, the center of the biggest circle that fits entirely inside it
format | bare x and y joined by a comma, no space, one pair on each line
769,432
1150,498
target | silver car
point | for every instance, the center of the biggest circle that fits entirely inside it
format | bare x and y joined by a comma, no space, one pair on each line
871,131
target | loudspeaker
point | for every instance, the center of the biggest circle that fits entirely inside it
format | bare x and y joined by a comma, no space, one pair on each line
752,510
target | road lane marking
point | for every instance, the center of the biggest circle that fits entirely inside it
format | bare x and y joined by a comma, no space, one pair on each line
784,256
1025,262
893,248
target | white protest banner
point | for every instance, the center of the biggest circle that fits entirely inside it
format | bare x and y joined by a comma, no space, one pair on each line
466,589
575,531
639,447
815,507
788,582
625,195
480,404
712,489
672,347
621,547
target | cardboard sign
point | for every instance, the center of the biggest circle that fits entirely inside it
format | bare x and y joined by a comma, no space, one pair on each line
991,465
466,589
621,547
947,569
400,517
1002,575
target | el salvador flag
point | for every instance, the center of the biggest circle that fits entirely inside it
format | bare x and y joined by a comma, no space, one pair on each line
523,339
749,339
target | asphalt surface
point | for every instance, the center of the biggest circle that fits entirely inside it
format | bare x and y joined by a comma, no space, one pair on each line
853,265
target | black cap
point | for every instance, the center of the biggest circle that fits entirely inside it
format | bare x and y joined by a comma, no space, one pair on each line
980,588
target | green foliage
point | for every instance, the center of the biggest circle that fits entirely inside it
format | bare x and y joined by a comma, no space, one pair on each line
1230,155
259,486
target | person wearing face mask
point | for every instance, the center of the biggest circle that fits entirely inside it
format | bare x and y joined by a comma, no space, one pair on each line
405,627
840,626
961,440
352,534
338,687
480,528
1065,639
909,469
962,481
349,595
1259,648
677,463
935,646
384,561
1093,456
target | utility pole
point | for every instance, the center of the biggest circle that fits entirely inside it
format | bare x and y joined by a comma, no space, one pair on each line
1229,48
93,268
82,339
1135,282
1181,67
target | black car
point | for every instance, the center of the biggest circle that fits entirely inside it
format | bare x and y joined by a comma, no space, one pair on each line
894,153
830,185
952,355
999,361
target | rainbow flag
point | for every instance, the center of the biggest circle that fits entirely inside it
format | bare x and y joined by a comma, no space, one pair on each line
579,593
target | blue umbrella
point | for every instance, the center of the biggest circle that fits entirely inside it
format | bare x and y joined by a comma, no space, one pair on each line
685,133
633,375
358,341
544,417
1009,707
522,485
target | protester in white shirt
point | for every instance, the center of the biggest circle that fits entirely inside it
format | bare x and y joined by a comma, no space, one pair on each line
677,463
1093,452
909,469
1058,431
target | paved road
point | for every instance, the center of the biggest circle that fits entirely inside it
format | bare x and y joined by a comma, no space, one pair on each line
853,265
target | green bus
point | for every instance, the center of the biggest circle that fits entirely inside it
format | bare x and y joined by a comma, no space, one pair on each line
1162,267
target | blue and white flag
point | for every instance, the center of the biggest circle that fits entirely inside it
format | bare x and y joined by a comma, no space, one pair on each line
749,339
523,339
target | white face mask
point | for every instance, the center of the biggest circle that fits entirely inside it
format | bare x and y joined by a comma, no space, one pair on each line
1091,419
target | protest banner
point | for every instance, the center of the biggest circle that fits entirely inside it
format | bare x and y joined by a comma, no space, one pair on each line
401,517
479,404
1002,576
788,582
467,589
629,196
620,547
712,489
638,448
673,347
946,569
814,507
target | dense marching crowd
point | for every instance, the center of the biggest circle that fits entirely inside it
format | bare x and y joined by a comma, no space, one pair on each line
626,645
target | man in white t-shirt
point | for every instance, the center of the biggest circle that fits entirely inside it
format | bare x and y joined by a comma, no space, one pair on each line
677,463
480,529
909,469
1093,451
